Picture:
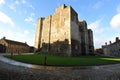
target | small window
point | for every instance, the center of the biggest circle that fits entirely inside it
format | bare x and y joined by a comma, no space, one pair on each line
75,18
76,47
65,33
64,19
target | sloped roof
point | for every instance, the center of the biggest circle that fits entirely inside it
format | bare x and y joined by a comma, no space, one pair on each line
15,42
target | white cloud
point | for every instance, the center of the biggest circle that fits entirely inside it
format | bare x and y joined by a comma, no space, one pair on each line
29,19
99,30
17,2
67,0
6,19
101,39
97,5
34,24
26,32
95,26
115,21
31,6
70,0
2,1
18,34
24,1
3,33
99,42
12,7
32,14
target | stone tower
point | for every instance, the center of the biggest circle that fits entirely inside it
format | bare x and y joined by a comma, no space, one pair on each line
62,33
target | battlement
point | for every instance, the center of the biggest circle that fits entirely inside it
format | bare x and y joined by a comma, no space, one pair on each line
83,23
63,6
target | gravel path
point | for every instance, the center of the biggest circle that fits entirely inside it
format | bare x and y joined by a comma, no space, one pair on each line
13,72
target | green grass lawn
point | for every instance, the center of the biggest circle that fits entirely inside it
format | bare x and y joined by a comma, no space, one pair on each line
65,61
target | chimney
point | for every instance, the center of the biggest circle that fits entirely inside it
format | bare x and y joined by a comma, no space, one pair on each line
106,43
4,37
117,39
110,42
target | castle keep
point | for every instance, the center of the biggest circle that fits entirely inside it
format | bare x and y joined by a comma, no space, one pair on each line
63,34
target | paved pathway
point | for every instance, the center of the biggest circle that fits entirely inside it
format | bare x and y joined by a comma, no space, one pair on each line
12,70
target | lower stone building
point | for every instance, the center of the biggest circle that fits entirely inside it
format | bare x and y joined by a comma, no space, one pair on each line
31,49
10,46
2,48
99,51
112,49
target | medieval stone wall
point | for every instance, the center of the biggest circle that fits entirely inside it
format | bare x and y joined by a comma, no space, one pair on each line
60,30
75,34
45,39
38,35
90,38
53,33
84,37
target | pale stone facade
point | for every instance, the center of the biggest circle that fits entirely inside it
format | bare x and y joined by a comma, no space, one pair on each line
112,49
63,34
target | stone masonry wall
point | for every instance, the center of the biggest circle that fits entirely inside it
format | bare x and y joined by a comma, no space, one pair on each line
38,35
90,38
56,32
75,35
46,33
84,37
60,30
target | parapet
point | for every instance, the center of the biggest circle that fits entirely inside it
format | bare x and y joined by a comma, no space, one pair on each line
83,23
41,18
89,30
61,7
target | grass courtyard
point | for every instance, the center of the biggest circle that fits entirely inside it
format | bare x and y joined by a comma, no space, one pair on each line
51,60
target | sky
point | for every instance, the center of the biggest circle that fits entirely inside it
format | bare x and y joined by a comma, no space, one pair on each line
18,18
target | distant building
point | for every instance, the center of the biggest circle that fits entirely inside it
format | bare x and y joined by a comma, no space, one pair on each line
10,46
99,51
112,49
31,49
2,48
63,34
